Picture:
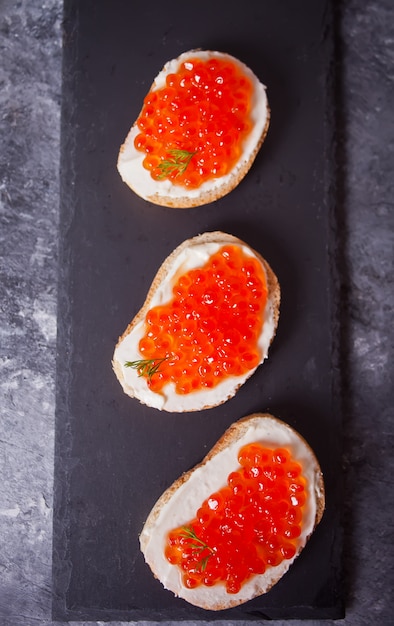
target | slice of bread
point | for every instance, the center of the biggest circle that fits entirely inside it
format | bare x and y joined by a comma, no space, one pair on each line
167,193
179,503
190,254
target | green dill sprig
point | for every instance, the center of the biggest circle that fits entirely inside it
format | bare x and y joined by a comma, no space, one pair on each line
146,367
178,161
198,545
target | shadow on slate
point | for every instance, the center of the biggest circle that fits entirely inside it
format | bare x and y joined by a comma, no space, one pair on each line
114,457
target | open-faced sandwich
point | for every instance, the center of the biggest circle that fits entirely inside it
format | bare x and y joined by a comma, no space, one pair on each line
229,529
206,325
198,133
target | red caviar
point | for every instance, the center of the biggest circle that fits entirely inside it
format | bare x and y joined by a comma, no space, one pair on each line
251,524
193,128
210,328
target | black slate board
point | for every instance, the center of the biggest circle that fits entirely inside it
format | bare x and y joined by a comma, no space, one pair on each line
113,456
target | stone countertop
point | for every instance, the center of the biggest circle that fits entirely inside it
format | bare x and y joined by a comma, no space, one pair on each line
30,79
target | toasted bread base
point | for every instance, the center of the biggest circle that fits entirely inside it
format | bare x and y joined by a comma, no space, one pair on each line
178,504
200,400
164,192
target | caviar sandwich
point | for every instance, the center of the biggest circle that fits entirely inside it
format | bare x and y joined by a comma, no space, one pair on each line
206,325
229,529
198,133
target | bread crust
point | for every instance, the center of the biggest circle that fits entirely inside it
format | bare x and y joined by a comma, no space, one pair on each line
220,186
221,238
232,436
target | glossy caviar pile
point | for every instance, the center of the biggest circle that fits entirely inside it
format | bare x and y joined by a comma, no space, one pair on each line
253,523
193,128
210,328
